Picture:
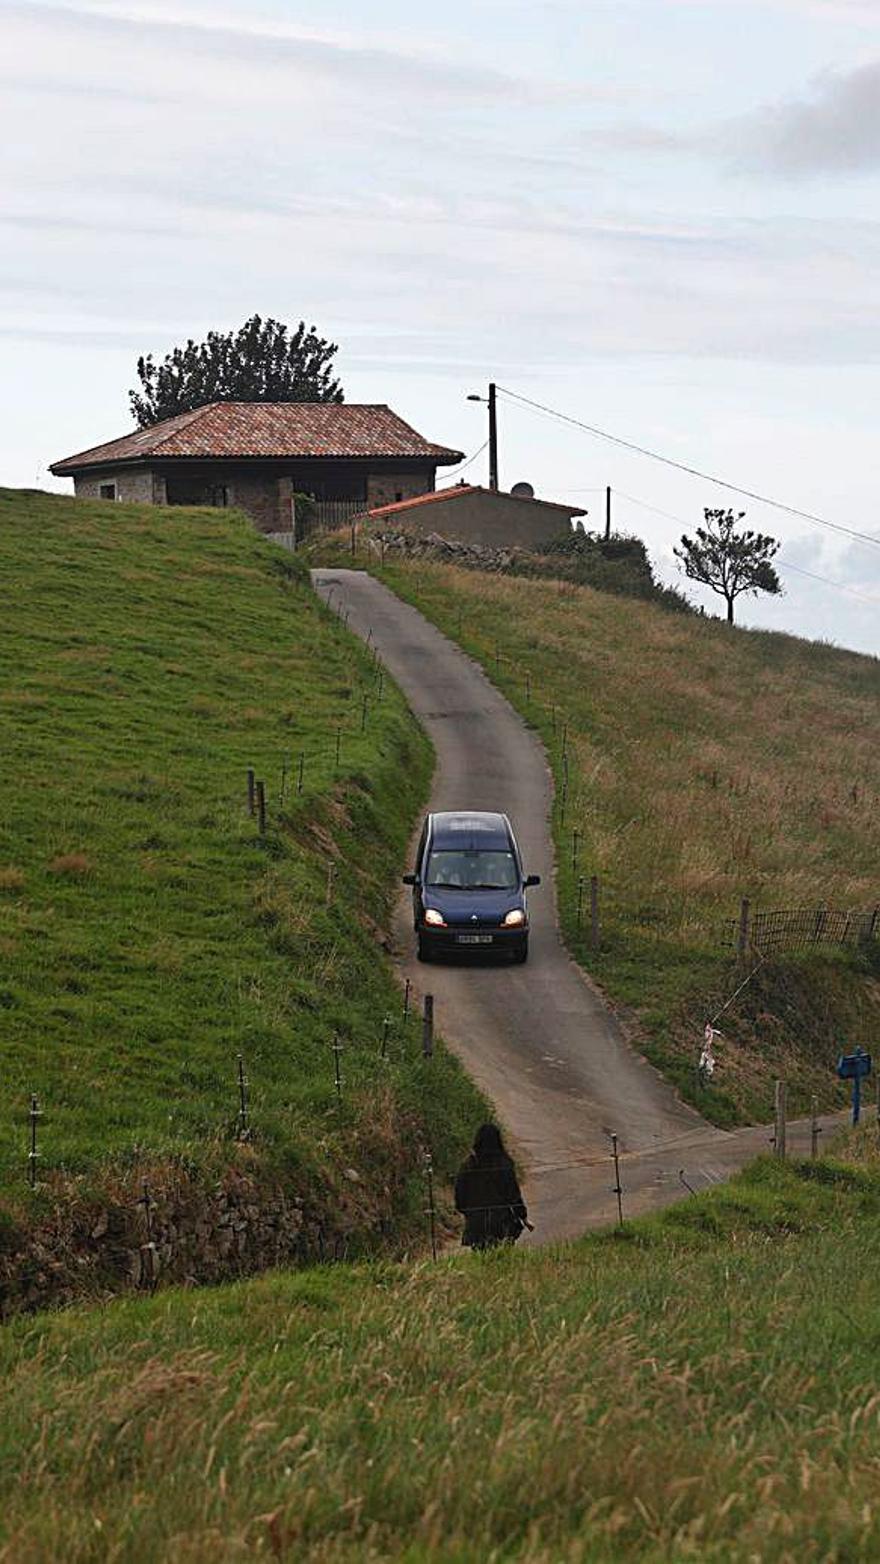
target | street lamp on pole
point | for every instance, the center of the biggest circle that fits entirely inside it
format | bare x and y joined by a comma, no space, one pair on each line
493,432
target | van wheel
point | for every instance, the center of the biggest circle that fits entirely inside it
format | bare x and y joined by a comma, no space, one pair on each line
521,956
422,951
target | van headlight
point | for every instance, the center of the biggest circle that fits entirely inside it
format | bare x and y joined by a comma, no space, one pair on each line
514,919
434,918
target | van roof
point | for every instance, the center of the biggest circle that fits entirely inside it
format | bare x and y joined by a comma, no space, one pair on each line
474,828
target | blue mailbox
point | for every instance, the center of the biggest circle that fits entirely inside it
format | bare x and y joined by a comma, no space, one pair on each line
855,1067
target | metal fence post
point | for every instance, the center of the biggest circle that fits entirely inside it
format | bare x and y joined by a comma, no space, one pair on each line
617,1186
149,1273
33,1154
244,1132
337,1049
261,808
432,1215
815,1130
595,933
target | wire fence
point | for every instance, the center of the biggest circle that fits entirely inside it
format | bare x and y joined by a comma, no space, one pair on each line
800,928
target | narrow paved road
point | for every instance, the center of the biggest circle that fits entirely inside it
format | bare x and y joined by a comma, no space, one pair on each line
536,1038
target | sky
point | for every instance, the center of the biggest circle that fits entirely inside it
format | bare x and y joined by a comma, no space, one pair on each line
659,217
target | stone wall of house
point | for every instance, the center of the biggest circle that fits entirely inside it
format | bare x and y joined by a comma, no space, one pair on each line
136,485
495,522
384,488
265,498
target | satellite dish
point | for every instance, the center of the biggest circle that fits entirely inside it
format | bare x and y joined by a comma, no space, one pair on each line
523,491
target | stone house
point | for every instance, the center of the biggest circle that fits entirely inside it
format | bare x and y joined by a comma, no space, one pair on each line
467,513
258,455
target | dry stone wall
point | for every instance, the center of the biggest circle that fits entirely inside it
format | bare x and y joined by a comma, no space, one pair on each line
164,1224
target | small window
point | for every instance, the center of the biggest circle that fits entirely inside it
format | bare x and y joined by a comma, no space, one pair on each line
107,491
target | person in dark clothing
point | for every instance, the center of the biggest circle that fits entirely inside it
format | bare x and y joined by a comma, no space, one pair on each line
488,1195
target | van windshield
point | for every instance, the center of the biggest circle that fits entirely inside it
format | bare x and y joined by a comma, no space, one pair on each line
480,870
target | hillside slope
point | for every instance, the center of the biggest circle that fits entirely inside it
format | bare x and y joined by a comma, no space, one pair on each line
703,1387
698,765
148,935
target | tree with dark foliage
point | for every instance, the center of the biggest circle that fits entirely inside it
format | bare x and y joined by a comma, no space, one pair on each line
261,362
727,561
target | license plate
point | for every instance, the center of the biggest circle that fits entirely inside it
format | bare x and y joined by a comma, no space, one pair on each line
473,939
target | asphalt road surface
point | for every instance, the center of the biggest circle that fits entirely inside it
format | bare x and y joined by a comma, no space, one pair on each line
536,1038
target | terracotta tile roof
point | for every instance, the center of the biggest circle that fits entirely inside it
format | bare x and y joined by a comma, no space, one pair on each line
455,492
279,429
452,493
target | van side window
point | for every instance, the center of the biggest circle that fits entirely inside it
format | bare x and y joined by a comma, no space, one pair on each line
421,848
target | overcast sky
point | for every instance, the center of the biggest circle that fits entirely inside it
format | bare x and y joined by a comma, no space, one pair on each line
659,216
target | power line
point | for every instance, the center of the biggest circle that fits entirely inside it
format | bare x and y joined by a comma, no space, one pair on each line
470,459
693,472
827,581
841,586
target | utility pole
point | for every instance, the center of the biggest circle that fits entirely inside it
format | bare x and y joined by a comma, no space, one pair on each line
493,431
493,439
607,513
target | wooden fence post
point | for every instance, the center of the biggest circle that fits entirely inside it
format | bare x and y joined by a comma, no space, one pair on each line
742,939
814,1127
251,790
779,1121
261,807
428,1027
595,935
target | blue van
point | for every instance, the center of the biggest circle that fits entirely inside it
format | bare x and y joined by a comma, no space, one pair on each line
469,887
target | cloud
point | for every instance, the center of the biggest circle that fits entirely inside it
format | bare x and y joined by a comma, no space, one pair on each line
275,49
834,130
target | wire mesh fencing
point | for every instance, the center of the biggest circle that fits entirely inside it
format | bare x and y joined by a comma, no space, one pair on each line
800,928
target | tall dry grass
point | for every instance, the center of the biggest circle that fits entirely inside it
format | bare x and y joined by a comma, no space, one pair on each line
708,763
707,1390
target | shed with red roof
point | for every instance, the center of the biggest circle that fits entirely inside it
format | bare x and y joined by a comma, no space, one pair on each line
467,513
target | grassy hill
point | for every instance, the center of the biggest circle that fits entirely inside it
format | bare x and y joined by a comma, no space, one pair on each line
703,765
147,933
703,1387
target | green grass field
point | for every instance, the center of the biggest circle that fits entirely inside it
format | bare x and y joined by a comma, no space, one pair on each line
704,1387
147,934
704,764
